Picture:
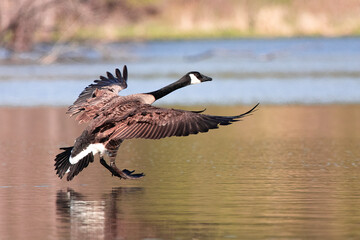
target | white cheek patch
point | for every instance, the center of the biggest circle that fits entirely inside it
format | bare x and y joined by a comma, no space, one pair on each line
194,79
92,148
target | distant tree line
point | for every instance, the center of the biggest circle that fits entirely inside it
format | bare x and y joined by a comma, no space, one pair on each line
25,22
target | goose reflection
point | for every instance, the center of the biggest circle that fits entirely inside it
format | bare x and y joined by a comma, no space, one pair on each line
87,217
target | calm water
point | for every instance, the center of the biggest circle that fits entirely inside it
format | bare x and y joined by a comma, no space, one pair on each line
245,71
286,172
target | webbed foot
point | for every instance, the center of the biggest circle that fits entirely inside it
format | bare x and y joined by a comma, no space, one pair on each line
130,175
125,174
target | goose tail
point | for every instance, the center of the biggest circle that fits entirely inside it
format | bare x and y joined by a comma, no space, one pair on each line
62,163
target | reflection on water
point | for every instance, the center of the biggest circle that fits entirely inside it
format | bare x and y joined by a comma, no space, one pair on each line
103,218
285,172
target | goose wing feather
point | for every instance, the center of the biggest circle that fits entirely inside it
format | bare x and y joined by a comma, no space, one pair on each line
98,94
154,123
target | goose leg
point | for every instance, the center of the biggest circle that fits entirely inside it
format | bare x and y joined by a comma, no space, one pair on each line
112,148
126,174
103,162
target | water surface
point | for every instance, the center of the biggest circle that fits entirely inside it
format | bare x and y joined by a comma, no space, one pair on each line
286,172
245,71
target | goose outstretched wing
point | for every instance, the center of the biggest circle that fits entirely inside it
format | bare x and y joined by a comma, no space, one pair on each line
97,94
154,123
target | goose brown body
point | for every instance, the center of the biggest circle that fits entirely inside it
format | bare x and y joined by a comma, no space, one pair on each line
112,118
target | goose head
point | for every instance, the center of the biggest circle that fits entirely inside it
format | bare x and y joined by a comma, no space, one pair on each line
196,77
186,80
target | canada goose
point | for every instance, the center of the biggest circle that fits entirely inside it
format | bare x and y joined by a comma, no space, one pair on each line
113,118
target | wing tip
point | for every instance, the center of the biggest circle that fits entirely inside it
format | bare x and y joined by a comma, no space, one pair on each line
253,109
115,84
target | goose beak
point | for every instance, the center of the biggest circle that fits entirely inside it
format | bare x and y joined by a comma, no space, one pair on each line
205,78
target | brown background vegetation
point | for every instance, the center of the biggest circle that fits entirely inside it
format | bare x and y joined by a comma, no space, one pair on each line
25,22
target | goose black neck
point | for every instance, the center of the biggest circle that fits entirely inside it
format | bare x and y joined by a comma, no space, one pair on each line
169,88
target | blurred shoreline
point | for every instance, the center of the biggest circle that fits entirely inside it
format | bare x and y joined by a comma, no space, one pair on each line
24,23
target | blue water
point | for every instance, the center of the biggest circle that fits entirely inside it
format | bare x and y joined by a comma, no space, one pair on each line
245,71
